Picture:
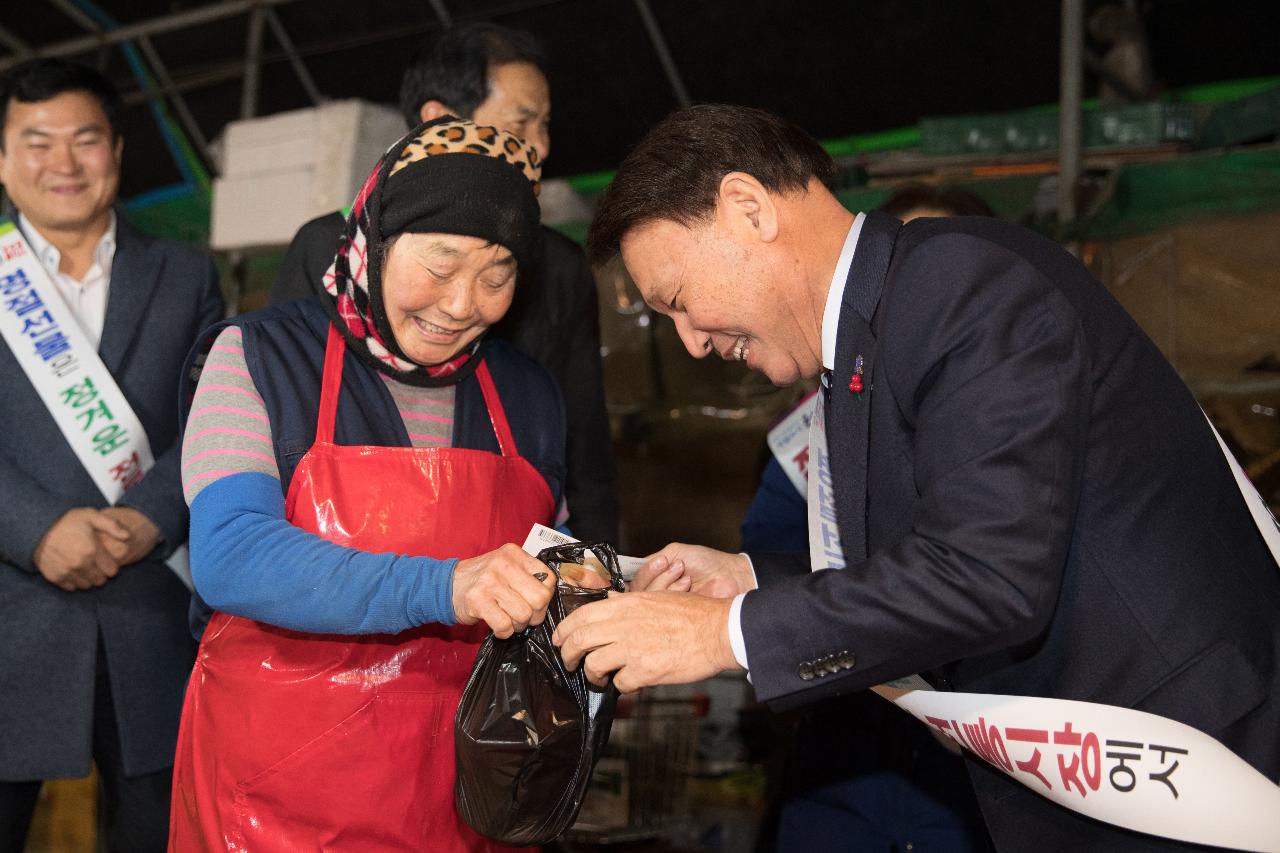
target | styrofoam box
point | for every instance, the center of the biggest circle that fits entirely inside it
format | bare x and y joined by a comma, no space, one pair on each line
280,171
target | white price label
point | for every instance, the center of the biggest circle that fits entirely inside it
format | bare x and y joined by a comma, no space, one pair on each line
540,537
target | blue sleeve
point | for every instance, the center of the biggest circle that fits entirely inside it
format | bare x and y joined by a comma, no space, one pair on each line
247,560
777,519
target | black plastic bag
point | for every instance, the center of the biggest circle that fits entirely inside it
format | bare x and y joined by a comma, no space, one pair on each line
528,732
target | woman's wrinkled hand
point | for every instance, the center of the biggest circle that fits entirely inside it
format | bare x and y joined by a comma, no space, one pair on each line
499,589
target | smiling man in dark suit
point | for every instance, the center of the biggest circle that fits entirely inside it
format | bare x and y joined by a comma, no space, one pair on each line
94,646
1023,496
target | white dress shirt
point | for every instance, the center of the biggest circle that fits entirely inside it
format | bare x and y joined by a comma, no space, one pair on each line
86,298
830,326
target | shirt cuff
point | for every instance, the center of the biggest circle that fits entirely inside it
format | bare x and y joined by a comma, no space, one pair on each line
736,641
755,582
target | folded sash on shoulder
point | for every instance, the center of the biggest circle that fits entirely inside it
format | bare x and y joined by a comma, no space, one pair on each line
73,383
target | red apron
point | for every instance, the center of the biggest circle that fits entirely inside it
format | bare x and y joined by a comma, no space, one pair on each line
300,742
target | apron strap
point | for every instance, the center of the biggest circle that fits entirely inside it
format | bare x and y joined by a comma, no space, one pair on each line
497,414
335,349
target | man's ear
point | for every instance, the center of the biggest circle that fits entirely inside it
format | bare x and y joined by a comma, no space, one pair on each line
749,205
119,149
432,110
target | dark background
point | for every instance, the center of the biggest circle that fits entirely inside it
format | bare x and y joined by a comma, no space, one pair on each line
836,67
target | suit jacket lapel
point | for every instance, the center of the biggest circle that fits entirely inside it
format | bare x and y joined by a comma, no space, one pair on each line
135,273
849,415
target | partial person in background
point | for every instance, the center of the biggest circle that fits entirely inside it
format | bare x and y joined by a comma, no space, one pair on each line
497,76
1125,75
357,465
94,648
888,782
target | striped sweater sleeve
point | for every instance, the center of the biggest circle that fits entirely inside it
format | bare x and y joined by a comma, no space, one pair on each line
227,431
248,560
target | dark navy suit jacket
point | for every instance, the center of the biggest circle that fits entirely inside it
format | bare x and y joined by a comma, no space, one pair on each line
1030,502
161,295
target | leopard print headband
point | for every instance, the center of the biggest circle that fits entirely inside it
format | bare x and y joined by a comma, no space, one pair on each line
447,176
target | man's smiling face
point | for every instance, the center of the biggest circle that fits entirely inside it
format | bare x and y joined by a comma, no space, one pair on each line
441,291
61,162
725,290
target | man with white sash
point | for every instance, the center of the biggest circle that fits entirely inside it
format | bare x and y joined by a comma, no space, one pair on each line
96,320
1024,531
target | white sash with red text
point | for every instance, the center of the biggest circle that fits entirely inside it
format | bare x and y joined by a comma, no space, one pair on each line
1129,768
75,386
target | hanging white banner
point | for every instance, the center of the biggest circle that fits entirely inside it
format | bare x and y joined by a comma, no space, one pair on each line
75,386
789,442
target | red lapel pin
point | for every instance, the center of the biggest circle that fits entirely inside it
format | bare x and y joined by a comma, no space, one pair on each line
855,381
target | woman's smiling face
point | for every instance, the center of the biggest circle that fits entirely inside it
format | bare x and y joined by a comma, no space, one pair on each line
441,291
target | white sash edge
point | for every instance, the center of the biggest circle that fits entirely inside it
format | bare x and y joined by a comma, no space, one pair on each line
73,383
1258,508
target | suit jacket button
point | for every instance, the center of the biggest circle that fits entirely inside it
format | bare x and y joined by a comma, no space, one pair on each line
806,671
846,660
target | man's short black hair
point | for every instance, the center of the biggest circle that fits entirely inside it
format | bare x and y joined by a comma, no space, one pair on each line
453,67
674,173
45,79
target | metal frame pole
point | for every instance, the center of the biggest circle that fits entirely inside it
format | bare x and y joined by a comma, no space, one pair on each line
252,64
155,26
1069,117
148,50
446,20
87,23
235,69
78,15
17,45
179,103
295,61
664,54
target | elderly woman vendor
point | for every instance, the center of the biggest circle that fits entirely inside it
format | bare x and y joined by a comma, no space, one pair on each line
354,463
